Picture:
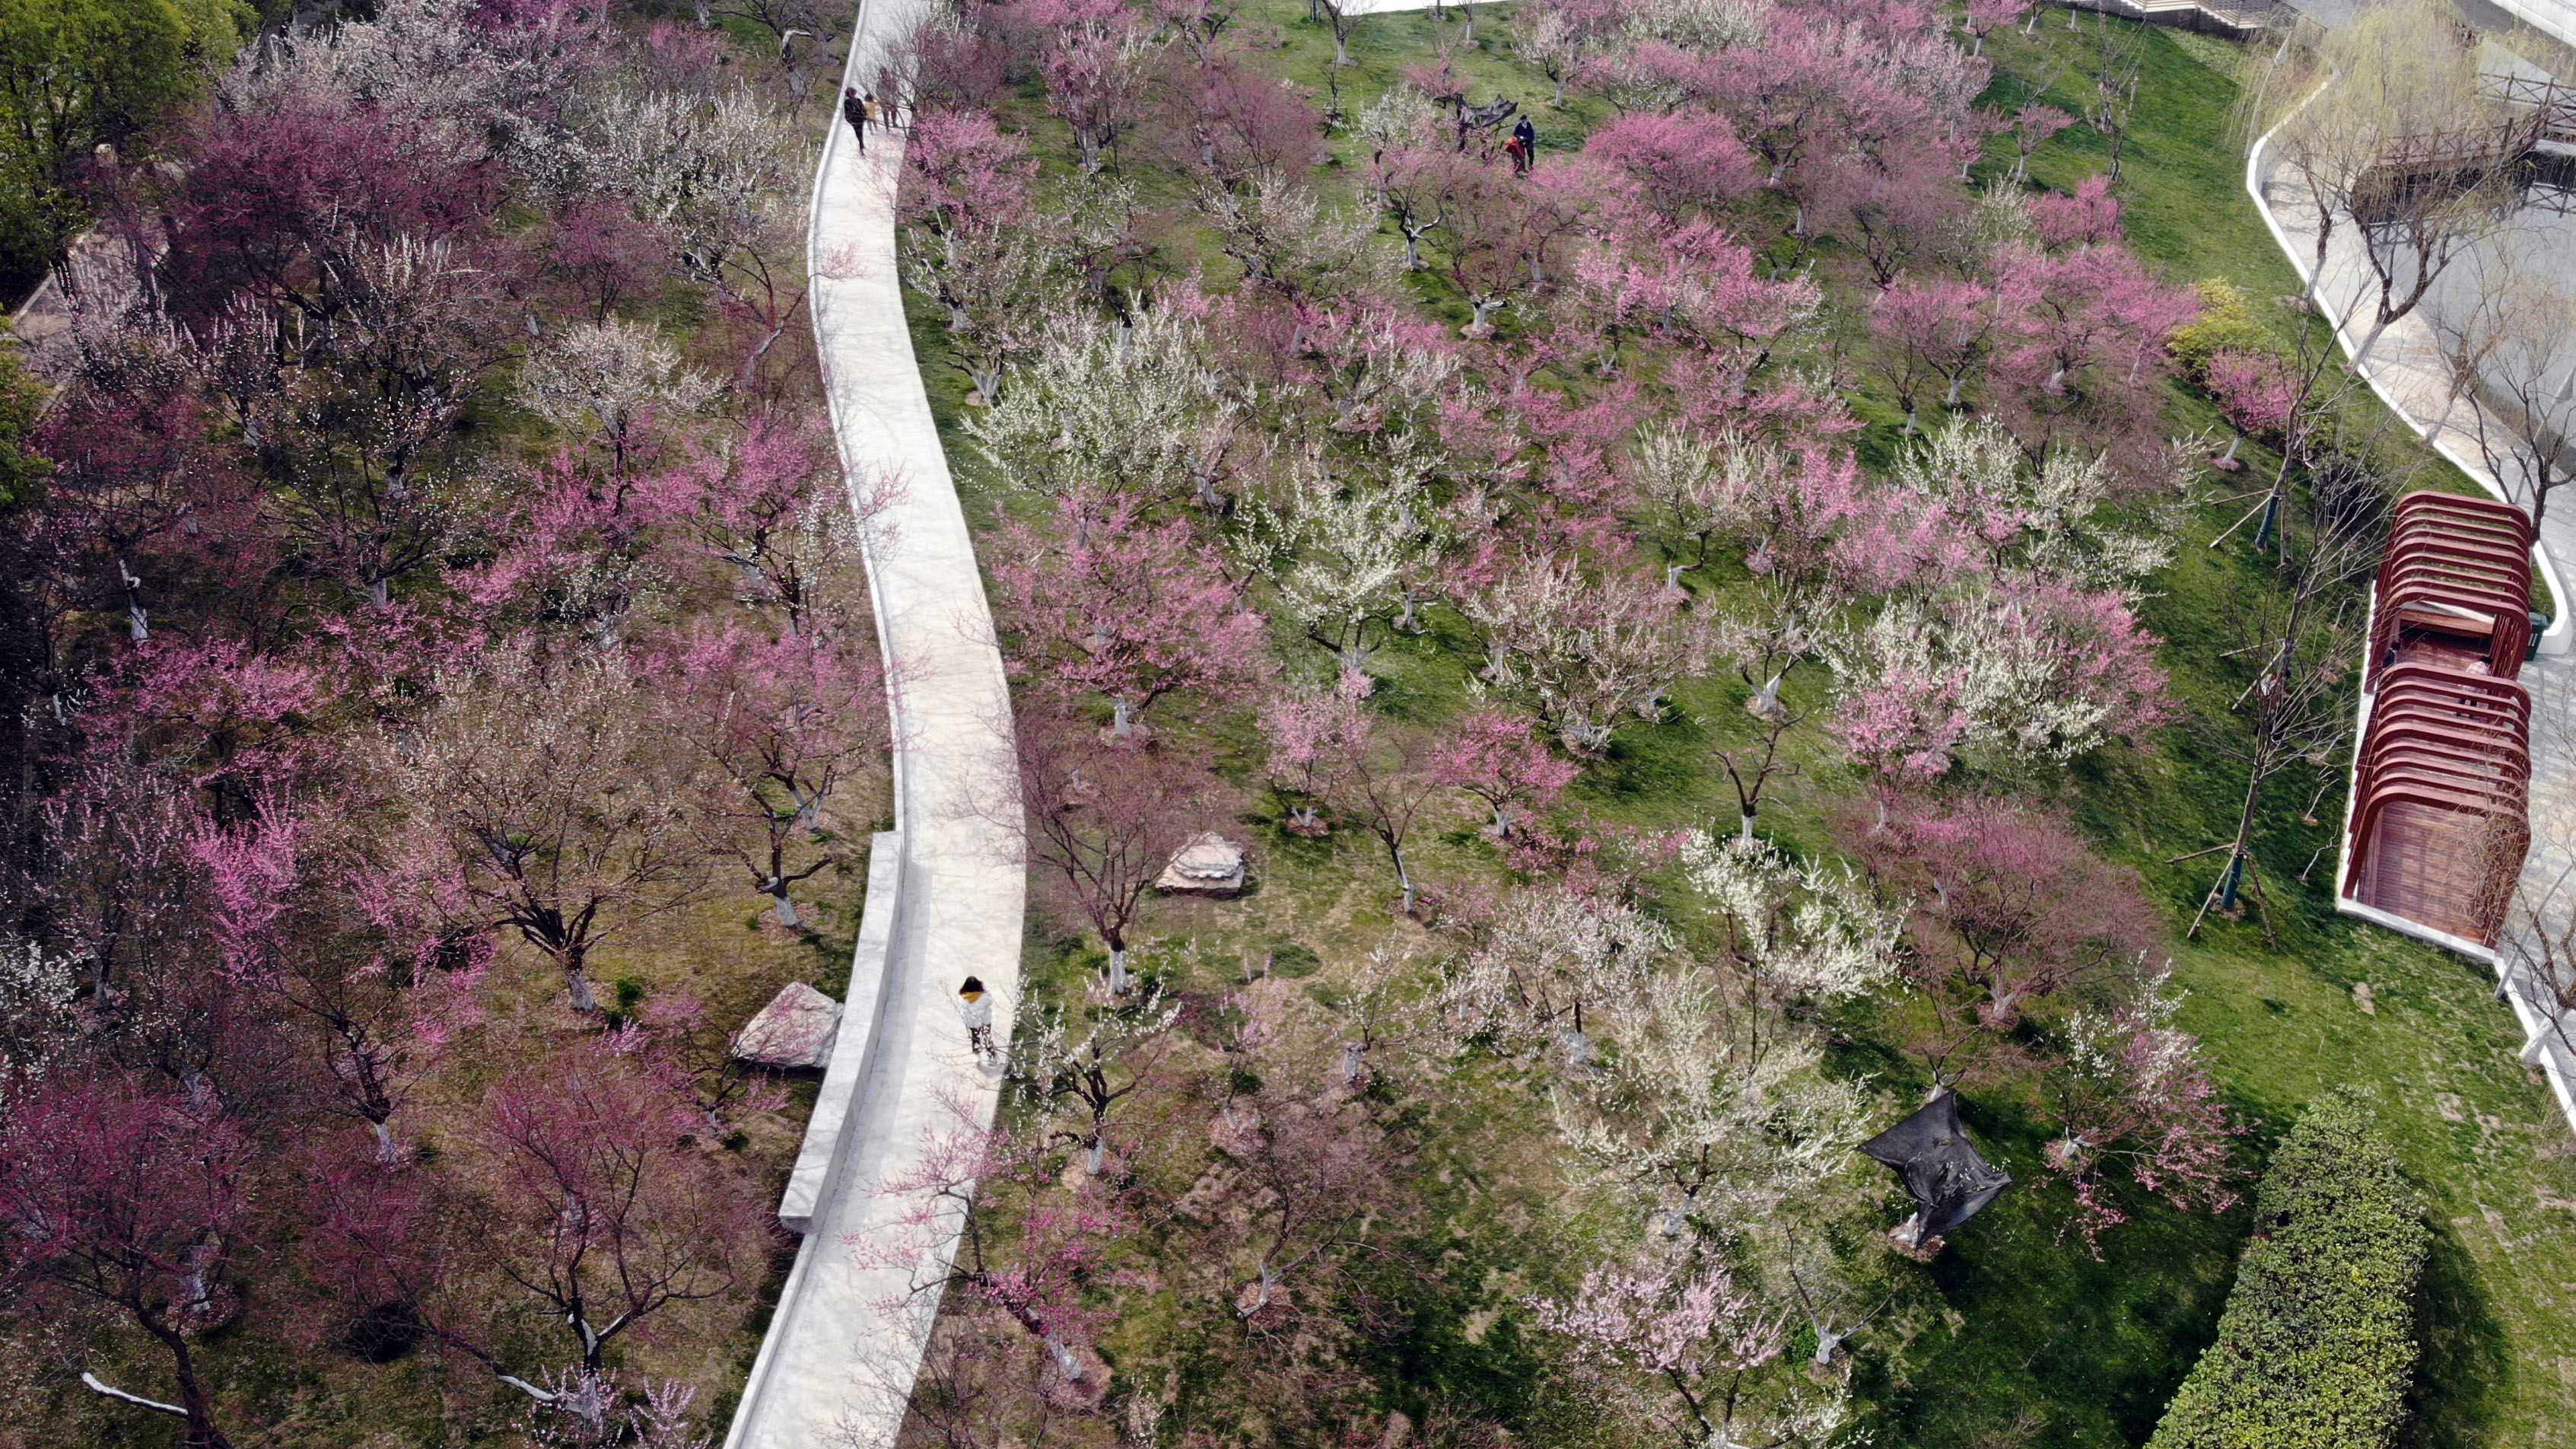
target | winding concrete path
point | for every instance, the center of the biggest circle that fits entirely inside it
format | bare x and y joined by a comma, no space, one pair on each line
946,888
2406,368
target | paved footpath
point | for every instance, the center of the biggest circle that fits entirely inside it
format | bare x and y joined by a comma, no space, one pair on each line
2406,368
843,1347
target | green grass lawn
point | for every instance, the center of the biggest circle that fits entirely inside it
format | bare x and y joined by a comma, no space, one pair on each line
2027,1339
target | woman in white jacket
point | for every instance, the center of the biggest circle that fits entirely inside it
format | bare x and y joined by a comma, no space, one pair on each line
977,1009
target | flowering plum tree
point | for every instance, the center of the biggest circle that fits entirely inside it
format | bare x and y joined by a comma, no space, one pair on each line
1939,327
1580,645
566,823
1313,736
138,1197
1102,817
767,504
2038,672
1098,63
786,722
596,1205
1114,1060
1714,1112
1548,953
1115,606
2009,904
1680,161
2135,1093
1678,1319
1341,552
1808,930
1497,759
1135,409
2257,393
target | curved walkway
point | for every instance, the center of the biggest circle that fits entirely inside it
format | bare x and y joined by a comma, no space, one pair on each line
945,889
2406,369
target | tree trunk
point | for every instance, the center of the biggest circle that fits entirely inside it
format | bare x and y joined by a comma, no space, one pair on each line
1117,968
202,1432
786,906
578,983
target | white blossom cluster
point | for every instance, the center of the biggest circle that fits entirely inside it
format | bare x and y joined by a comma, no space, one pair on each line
2063,532
37,990
1133,408
1806,929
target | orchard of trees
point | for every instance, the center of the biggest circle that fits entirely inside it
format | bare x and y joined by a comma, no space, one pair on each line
434,635
1352,491
1654,609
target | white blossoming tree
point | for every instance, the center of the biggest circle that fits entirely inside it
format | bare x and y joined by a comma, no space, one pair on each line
1796,929
1134,407
609,380
1549,954
1342,550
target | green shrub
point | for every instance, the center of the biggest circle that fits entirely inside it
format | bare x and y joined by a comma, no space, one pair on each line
2317,1344
2227,323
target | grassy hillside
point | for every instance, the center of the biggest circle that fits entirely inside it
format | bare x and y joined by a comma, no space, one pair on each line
2025,1339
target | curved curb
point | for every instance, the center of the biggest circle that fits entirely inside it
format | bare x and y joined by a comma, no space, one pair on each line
2560,637
2545,1048
947,890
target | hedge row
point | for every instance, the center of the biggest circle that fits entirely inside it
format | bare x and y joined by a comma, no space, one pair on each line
2317,1343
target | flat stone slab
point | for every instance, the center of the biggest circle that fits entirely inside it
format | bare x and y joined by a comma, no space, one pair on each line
795,1029
1210,865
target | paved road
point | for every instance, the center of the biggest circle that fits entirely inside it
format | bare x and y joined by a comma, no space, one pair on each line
848,1334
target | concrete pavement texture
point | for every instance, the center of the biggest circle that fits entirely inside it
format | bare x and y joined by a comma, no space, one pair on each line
946,889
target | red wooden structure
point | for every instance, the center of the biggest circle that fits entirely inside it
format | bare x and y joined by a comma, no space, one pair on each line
2455,586
2441,784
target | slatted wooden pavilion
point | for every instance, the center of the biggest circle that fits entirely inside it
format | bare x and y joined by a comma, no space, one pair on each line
2441,782
2455,586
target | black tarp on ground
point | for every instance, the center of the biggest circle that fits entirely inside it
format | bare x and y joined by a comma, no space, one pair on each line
1948,1178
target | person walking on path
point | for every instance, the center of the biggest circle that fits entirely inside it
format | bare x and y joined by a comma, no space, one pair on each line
856,112
1524,147
977,1009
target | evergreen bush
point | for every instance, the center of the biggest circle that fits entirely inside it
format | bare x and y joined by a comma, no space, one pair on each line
2317,1344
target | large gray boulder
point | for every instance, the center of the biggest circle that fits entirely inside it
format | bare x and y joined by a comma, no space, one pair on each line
1210,865
794,1030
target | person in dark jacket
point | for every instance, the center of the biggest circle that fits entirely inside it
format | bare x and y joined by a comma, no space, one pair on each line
1527,135
856,112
